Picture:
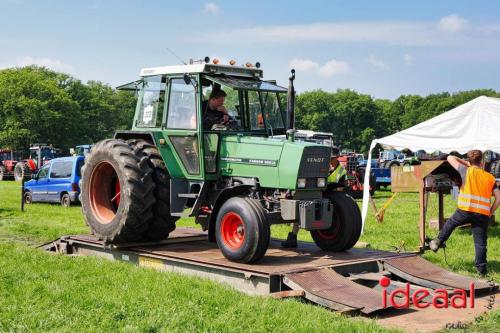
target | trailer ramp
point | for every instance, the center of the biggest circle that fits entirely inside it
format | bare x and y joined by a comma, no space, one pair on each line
332,290
419,271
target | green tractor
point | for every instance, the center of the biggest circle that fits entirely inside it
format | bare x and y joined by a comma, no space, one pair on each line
235,179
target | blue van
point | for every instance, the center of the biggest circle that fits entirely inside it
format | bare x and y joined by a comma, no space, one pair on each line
56,181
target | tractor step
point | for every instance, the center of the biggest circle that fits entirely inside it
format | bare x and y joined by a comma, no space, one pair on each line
188,195
181,214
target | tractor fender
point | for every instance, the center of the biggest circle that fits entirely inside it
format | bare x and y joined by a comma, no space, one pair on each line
31,164
223,196
127,135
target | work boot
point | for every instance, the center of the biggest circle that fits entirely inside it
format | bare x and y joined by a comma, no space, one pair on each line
291,241
482,271
435,244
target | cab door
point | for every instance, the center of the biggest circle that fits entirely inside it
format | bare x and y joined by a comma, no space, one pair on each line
182,129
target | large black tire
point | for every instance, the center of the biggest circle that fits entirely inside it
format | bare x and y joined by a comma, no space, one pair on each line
3,171
22,170
117,192
242,230
346,224
162,223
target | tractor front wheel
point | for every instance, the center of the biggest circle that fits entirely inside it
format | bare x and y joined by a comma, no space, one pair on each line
242,230
117,192
346,224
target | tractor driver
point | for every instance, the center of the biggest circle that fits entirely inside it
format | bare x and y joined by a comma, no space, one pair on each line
213,110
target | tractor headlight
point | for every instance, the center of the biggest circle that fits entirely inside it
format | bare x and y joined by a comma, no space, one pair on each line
301,183
321,182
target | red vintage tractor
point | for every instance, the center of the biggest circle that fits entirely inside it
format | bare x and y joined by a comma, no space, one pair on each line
355,175
7,164
39,155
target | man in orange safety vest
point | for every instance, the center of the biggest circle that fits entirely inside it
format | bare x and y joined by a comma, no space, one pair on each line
474,205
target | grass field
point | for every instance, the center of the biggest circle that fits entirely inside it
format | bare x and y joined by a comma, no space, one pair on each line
48,293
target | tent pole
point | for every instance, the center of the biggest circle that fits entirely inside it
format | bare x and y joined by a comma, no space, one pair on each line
421,222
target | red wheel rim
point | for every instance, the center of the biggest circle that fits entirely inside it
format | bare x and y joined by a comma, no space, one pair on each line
232,230
104,192
330,233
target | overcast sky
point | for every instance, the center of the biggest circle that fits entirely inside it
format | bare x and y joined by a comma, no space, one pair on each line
381,48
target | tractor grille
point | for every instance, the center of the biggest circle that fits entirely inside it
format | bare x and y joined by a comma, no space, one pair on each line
315,162
352,163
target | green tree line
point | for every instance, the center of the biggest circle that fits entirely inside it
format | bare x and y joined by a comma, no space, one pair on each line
39,105
356,119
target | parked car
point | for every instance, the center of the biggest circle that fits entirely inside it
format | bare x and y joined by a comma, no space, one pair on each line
56,181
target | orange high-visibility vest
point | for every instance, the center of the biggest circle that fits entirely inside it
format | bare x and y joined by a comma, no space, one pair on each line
475,194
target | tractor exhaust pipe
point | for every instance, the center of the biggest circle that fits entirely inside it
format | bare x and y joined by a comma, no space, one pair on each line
290,112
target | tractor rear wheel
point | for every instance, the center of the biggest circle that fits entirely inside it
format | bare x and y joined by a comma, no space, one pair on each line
346,225
162,222
242,230
21,171
3,171
117,192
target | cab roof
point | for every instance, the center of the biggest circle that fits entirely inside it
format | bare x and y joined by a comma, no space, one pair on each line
205,68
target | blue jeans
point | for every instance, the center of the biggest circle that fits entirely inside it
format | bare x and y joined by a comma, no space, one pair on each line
479,224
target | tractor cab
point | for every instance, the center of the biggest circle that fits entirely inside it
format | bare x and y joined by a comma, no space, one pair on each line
175,99
6,154
81,150
42,153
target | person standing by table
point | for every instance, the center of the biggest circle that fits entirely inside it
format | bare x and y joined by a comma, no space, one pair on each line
474,205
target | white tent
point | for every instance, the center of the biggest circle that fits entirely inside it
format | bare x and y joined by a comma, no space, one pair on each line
473,125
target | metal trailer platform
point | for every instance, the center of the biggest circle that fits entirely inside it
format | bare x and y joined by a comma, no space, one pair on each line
344,281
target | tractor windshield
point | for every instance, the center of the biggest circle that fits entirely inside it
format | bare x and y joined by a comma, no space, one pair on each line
4,156
254,106
42,154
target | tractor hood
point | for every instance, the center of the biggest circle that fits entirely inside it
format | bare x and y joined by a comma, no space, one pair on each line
276,163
